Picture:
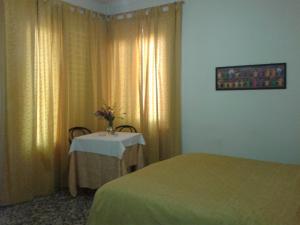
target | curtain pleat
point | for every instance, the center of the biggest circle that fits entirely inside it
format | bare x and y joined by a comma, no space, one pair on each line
47,74
3,155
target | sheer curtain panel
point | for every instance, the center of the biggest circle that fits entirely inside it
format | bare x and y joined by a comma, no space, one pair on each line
144,66
20,164
52,72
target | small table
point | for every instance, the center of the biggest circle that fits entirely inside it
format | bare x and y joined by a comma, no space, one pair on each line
98,158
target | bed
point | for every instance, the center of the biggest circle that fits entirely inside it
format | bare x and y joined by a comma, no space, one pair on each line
202,189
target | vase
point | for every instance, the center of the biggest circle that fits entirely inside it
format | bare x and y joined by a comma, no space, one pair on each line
110,128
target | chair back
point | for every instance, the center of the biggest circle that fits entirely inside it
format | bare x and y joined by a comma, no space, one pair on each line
126,128
77,131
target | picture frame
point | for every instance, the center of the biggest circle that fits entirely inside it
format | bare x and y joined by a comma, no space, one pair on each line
251,77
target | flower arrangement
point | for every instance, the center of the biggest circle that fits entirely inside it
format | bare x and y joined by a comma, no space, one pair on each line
109,114
106,112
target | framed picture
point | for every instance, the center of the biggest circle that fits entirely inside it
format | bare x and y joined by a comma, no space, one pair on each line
251,77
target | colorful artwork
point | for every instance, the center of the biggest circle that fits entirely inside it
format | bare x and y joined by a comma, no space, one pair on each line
264,76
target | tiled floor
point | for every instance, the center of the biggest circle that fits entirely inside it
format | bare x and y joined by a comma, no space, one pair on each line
57,209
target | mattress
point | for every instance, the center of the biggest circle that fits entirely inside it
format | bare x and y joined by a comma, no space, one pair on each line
202,189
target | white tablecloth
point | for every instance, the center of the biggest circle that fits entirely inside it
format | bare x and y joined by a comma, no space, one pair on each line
110,145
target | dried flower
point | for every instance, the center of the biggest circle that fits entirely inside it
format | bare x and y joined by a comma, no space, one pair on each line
108,113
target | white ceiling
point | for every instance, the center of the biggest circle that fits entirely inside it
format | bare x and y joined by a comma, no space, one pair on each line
111,1
110,7
119,6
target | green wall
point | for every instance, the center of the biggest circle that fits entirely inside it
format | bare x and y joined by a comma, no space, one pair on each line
259,124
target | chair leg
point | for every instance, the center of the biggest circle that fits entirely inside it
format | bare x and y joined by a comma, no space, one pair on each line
132,168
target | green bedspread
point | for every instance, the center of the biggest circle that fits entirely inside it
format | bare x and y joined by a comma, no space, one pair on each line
202,189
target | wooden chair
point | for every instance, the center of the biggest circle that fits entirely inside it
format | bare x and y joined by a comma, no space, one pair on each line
77,131
126,127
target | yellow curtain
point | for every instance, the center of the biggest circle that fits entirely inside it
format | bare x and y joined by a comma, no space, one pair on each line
83,80
3,179
59,63
84,61
54,72
144,66
20,165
